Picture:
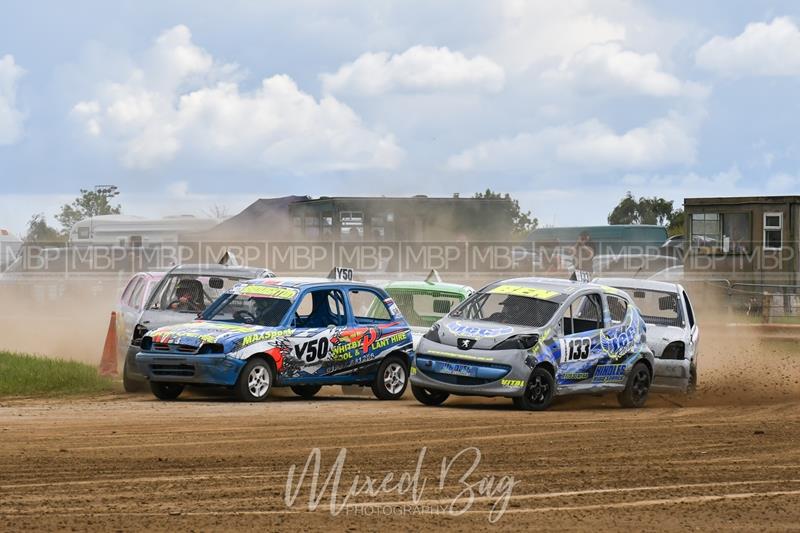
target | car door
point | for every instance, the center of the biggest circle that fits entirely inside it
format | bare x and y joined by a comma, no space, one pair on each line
320,315
580,348
376,327
129,310
693,344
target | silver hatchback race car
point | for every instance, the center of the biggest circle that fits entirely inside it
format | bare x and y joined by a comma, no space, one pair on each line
532,339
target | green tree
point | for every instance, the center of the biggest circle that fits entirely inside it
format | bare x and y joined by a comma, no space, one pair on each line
676,222
90,203
626,212
521,221
39,232
652,210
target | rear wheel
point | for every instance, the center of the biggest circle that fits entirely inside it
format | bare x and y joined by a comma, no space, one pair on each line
255,381
539,391
392,378
166,391
429,396
637,388
306,391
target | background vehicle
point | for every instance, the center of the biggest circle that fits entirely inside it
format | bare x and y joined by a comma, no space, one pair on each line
424,302
303,333
531,339
672,331
182,293
132,301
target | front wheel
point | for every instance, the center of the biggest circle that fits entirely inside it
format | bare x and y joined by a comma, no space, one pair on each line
429,396
129,383
166,391
392,378
637,388
539,391
255,381
306,391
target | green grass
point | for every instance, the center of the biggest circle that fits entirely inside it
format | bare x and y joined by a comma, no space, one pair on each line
29,375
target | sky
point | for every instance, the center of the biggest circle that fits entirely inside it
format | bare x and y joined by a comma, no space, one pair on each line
188,106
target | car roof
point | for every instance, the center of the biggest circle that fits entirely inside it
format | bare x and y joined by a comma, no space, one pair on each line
428,286
214,269
635,283
301,282
563,287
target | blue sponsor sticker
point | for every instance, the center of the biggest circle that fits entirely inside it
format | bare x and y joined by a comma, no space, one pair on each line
473,331
609,374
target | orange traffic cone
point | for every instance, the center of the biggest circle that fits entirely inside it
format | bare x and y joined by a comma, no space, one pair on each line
108,362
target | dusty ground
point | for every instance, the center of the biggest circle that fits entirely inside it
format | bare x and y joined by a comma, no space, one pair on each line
725,459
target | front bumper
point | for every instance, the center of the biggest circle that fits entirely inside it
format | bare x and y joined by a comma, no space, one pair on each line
470,372
211,369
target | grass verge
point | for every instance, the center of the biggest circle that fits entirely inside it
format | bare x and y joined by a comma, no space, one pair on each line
29,375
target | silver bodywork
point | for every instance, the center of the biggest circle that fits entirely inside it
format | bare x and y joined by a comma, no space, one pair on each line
673,370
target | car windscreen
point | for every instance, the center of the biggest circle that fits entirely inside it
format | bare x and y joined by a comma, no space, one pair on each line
423,308
506,309
190,293
249,309
659,308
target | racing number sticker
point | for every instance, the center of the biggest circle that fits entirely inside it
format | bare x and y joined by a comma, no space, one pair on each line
575,349
313,350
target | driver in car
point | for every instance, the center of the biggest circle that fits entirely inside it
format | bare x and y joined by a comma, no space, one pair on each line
189,296
513,308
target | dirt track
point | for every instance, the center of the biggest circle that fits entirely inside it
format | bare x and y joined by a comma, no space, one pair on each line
132,463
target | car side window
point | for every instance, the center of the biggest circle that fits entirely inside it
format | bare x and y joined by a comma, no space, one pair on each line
126,294
136,296
583,314
321,308
689,312
617,308
368,307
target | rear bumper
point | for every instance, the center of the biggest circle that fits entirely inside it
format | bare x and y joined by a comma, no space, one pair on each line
216,369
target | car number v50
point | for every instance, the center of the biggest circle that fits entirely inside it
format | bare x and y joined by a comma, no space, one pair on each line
312,350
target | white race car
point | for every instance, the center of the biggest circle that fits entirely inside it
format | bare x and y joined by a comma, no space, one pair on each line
672,331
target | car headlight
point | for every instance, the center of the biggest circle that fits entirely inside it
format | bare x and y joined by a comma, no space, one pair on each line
433,334
138,333
211,347
517,342
146,343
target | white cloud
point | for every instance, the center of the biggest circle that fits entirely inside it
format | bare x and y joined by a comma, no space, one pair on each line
590,146
762,49
11,118
420,68
178,101
610,65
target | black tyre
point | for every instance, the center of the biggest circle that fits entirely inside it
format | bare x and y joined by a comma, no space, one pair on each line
637,388
306,391
392,378
255,381
429,396
129,383
166,391
539,391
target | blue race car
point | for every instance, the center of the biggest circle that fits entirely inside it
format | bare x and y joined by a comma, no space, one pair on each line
303,333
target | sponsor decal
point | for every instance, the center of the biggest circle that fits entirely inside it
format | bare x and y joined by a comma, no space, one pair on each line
283,293
474,331
529,292
609,374
575,376
512,383
266,336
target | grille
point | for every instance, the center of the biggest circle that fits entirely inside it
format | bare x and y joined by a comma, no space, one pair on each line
174,348
172,369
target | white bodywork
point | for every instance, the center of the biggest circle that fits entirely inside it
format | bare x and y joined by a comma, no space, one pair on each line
672,371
